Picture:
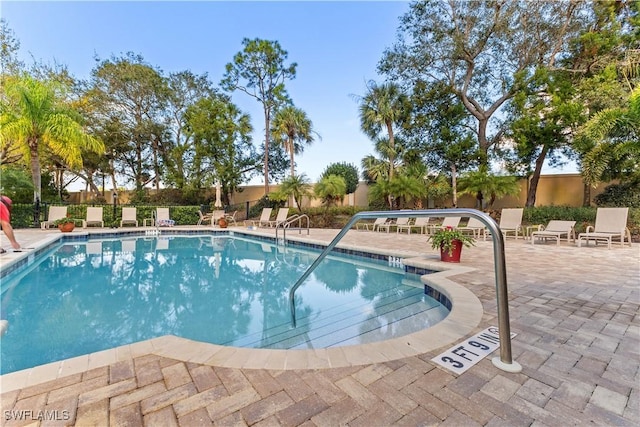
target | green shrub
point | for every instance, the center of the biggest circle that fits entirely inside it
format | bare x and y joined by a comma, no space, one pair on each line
347,171
620,195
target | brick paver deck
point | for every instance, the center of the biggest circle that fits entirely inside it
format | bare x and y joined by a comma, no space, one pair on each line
575,310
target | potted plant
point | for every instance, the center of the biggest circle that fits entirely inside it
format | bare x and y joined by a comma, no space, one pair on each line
65,225
450,242
222,222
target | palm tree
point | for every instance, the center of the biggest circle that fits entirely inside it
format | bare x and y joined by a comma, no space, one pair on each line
615,133
481,182
383,107
292,129
330,189
39,123
296,187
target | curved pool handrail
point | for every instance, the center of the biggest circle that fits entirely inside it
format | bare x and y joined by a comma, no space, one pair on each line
505,362
288,222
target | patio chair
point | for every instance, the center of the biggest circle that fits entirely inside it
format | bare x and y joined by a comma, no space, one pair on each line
420,223
283,213
555,230
216,215
371,226
202,217
264,218
402,221
129,216
476,227
611,223
94,216
449,221
511,221
163,219
55,213
231,218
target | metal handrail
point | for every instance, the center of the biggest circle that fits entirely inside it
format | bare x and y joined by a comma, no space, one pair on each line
506,361
285,224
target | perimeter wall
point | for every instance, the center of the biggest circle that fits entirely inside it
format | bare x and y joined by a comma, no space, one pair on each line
558,190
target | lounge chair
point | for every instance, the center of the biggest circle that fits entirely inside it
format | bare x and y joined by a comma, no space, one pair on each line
555,230
216,215
94,216
371,226
129,216
202,217
511,221
476,227
611,223
283,213
163,219
447,222
264,218
420,223
55,213
402,221
231,218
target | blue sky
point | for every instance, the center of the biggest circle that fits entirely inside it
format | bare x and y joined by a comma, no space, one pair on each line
336,45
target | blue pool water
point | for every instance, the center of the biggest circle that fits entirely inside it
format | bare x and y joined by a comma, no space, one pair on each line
89,296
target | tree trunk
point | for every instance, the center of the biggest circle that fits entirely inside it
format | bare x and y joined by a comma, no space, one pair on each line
586,194
293,167
535,178
392,158
266,149
454,186
35,170
483,143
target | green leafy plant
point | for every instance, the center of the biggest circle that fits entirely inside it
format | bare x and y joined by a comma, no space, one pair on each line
445,237
65,220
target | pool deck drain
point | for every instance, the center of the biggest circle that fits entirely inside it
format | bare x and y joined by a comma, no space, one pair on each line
575,310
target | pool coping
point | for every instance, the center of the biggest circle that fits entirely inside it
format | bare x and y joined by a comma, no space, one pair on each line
466,314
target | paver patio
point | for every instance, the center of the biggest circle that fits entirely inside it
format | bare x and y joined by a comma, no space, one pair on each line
575,312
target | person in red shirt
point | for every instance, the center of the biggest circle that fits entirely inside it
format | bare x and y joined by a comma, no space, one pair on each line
5,221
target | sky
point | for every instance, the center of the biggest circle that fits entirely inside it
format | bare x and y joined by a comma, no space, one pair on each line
336,45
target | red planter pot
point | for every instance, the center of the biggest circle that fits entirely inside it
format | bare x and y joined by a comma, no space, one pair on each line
66,227
455,252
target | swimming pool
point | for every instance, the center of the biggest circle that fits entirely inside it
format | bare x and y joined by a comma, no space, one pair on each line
88,296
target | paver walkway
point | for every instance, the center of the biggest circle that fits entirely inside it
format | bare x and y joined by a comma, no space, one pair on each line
575,310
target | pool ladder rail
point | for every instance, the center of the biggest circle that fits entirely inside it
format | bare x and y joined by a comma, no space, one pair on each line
156,230
286,224
505,362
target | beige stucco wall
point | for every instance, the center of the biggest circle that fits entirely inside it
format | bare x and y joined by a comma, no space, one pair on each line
556,190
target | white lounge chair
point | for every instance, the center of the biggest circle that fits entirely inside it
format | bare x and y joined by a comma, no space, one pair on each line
371,226
216,215
555,230
611,223
129,216
264,218
420,223
55,213
449,221
402,221
511,221
476,227
94,216
163,219
283,213
231,218
202,218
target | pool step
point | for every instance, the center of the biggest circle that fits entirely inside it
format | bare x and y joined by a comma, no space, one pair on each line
398,312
